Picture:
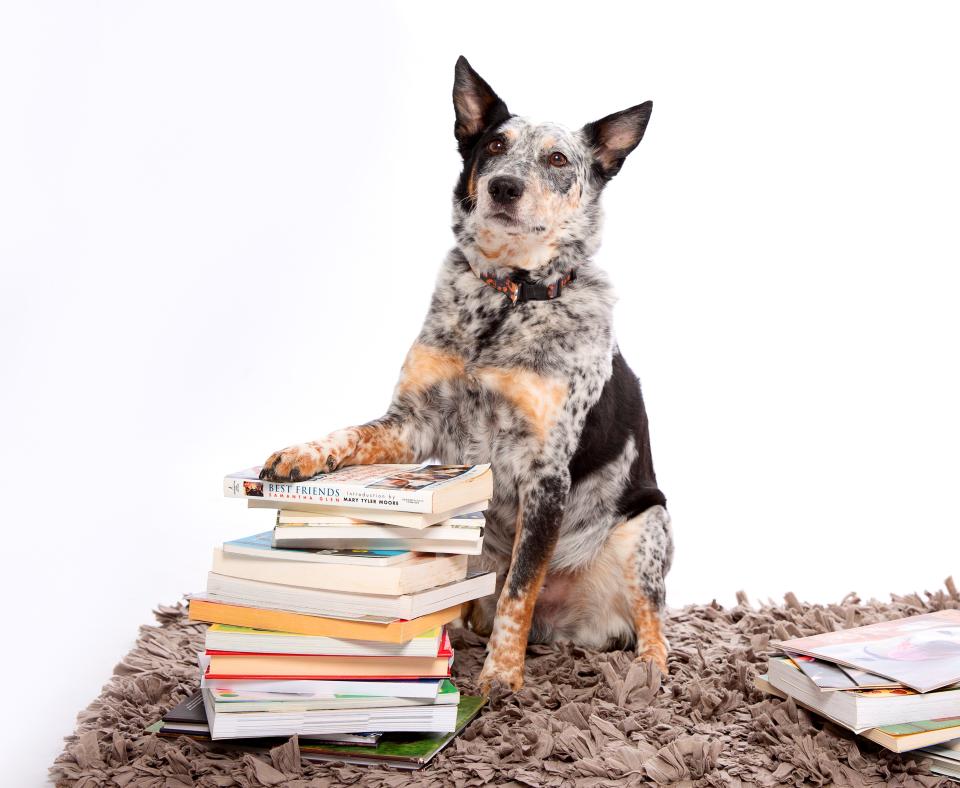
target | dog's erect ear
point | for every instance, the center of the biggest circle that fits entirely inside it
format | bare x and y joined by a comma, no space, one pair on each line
476,105
614,136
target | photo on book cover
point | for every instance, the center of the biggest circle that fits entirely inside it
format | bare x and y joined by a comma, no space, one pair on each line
922,652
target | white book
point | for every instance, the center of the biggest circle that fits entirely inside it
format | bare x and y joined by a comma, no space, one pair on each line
417,573
310,513
862,709
262,546
225,637
306,690
302,539
432,718
336,604
456,526
423,488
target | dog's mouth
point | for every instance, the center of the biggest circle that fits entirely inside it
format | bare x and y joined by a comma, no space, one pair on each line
504,218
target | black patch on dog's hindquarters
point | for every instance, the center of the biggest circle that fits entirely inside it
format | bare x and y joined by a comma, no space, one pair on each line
614,418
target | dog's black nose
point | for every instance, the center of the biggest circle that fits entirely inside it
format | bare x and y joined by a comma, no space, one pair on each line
505,189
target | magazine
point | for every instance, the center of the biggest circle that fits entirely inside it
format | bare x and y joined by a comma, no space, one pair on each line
921,652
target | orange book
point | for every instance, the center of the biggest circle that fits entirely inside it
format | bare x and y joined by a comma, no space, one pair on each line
303,624
235,665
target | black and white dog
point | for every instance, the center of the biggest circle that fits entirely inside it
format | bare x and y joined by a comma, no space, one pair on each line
517,365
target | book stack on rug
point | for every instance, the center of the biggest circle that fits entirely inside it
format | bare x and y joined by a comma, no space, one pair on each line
332,627
896,683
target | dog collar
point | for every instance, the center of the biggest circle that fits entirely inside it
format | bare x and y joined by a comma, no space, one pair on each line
521,289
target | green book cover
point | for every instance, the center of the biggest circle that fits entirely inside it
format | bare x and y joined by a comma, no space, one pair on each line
921,726
403,750
411,748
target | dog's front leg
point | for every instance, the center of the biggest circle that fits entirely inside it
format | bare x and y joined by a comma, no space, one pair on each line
407,433
385,440
538,524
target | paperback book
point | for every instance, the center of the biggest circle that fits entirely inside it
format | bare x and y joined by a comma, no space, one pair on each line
388,629
357,606
457,535
415,520
397,750
421,488
863,708
262,546
901,737
225,637
416,572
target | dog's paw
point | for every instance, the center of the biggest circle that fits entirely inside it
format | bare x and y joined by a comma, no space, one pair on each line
306,460
293,463
498,680
656,653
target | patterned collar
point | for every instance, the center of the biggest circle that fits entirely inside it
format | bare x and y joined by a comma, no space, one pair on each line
520,289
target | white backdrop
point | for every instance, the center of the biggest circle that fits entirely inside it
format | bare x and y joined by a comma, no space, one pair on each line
220,223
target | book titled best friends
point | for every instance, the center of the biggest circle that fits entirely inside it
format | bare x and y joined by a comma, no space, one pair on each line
402,488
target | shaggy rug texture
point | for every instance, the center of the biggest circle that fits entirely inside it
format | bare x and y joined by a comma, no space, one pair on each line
583,719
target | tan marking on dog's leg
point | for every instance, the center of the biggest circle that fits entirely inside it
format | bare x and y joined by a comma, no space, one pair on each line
650,641
507,646
380,442
376,442
427,366
538,398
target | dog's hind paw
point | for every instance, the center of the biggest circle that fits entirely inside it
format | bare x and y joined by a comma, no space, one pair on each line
655,653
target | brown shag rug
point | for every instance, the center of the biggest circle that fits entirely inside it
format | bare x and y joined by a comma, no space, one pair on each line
583,718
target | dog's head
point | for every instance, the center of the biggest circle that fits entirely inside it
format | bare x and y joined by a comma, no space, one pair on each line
528,196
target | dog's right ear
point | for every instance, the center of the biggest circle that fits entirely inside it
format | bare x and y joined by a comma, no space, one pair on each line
477,106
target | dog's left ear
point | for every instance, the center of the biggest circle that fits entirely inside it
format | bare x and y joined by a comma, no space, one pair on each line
476,105
614,136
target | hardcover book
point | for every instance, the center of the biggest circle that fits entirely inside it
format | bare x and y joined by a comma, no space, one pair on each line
402,488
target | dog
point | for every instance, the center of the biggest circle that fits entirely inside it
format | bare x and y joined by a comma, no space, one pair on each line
517,365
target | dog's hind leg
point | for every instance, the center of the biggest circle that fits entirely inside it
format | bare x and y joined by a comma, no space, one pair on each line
645,581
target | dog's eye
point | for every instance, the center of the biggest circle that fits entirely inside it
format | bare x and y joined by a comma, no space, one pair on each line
496,146
557,159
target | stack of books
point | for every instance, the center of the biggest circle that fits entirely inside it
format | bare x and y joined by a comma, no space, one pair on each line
896,683
333,625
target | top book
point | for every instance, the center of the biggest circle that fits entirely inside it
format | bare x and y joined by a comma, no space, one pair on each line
398,488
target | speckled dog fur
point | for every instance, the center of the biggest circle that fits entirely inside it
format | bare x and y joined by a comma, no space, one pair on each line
577,530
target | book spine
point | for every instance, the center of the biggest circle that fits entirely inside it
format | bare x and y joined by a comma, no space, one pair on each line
320,493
